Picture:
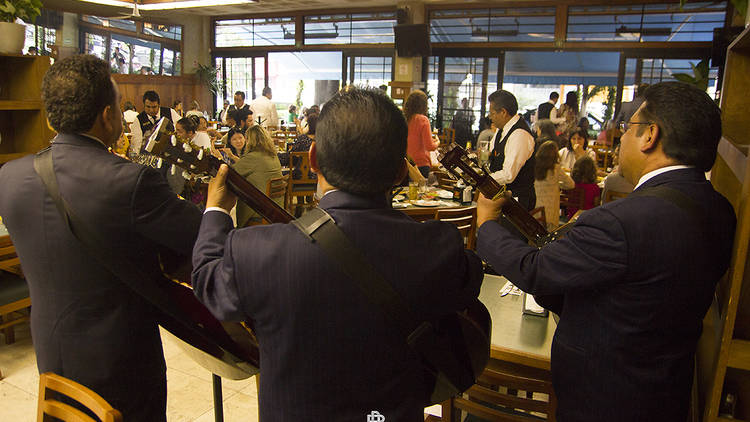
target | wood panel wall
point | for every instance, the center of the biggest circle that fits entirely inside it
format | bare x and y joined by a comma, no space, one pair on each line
170,88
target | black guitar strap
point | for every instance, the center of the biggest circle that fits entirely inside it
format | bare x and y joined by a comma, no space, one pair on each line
142,282
421,336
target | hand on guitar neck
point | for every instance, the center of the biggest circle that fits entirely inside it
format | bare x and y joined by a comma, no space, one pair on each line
490,209
219,194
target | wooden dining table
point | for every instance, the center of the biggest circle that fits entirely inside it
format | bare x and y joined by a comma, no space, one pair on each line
424,213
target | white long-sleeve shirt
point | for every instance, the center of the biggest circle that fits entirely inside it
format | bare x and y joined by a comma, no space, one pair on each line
518,149
264,109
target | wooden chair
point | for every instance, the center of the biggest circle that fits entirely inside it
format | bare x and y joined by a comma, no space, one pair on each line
14,292
448,136
444,179
572,198
278,188
465,219
495,396
539,214
301,191
14,298
51,384
611,195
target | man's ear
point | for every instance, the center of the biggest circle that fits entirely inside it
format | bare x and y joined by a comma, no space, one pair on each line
313,155
650,138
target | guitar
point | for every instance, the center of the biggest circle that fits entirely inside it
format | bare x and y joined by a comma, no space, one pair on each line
465,336
465,167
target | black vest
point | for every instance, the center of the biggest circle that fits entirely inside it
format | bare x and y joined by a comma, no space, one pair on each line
523,185
544,110
147,127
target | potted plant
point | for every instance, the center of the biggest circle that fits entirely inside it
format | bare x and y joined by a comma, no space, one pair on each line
208,75
12,34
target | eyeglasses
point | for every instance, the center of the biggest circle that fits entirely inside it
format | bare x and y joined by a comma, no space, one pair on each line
624,126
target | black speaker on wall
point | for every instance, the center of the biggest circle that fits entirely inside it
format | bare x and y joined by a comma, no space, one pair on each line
412,40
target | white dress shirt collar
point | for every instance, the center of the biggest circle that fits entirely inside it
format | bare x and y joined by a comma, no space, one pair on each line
509,125
659,171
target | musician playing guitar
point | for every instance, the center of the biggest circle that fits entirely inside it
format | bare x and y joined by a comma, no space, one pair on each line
326,351
87,322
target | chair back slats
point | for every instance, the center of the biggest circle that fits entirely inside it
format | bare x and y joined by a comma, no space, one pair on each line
612,196
540,215
301,191
444,179
488,413
48,407
465,219
573,198
278,188
507,400
496,396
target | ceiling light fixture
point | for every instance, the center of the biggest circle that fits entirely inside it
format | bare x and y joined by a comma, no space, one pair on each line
187,4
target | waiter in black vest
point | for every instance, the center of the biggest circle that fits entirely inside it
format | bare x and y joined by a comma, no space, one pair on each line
547,110
512,149
152,112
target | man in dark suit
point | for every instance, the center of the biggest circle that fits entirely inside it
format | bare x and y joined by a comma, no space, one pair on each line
328,353
239,104
86,322
546,109
637,274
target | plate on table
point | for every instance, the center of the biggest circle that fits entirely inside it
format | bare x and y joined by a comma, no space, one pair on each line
424,203
399,197
397,205
444,194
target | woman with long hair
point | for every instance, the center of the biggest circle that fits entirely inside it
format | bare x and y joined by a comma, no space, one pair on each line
548,178
258,165
420,141
569,111
576,147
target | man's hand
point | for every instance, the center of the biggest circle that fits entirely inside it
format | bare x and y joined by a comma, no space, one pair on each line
218,193
489,210
578,150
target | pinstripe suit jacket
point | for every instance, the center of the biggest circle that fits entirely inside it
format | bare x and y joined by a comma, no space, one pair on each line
326,352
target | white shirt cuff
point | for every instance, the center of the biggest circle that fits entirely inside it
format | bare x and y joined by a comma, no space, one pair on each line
217,209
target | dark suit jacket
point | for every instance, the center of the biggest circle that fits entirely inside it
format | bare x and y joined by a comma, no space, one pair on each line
327,353
637,275
86,324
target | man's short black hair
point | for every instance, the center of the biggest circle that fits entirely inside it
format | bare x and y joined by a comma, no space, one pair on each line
190,124
241,94
502,99
241,115
75,90
554,95
361,155
266,90
129,106
151,96
689,122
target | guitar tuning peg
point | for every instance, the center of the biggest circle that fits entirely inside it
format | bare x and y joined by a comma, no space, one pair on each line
173,170
187,148
158,163
174,141
200,154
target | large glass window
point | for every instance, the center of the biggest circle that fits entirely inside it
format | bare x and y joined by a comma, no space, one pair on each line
695,21
356,28
40,37
369,71
95,45
493,25
173,32
254,32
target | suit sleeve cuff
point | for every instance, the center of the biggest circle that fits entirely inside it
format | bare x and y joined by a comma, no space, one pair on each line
216,209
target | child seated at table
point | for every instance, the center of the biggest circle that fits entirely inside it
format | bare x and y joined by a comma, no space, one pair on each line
584,174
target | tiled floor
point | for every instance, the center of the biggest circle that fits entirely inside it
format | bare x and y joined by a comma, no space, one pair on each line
189,392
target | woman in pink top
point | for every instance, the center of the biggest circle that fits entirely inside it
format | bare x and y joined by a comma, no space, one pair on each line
420,141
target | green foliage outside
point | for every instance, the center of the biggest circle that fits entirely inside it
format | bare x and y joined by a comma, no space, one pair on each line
26,10
699,78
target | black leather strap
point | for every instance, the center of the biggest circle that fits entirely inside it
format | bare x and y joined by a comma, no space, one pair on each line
142,282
